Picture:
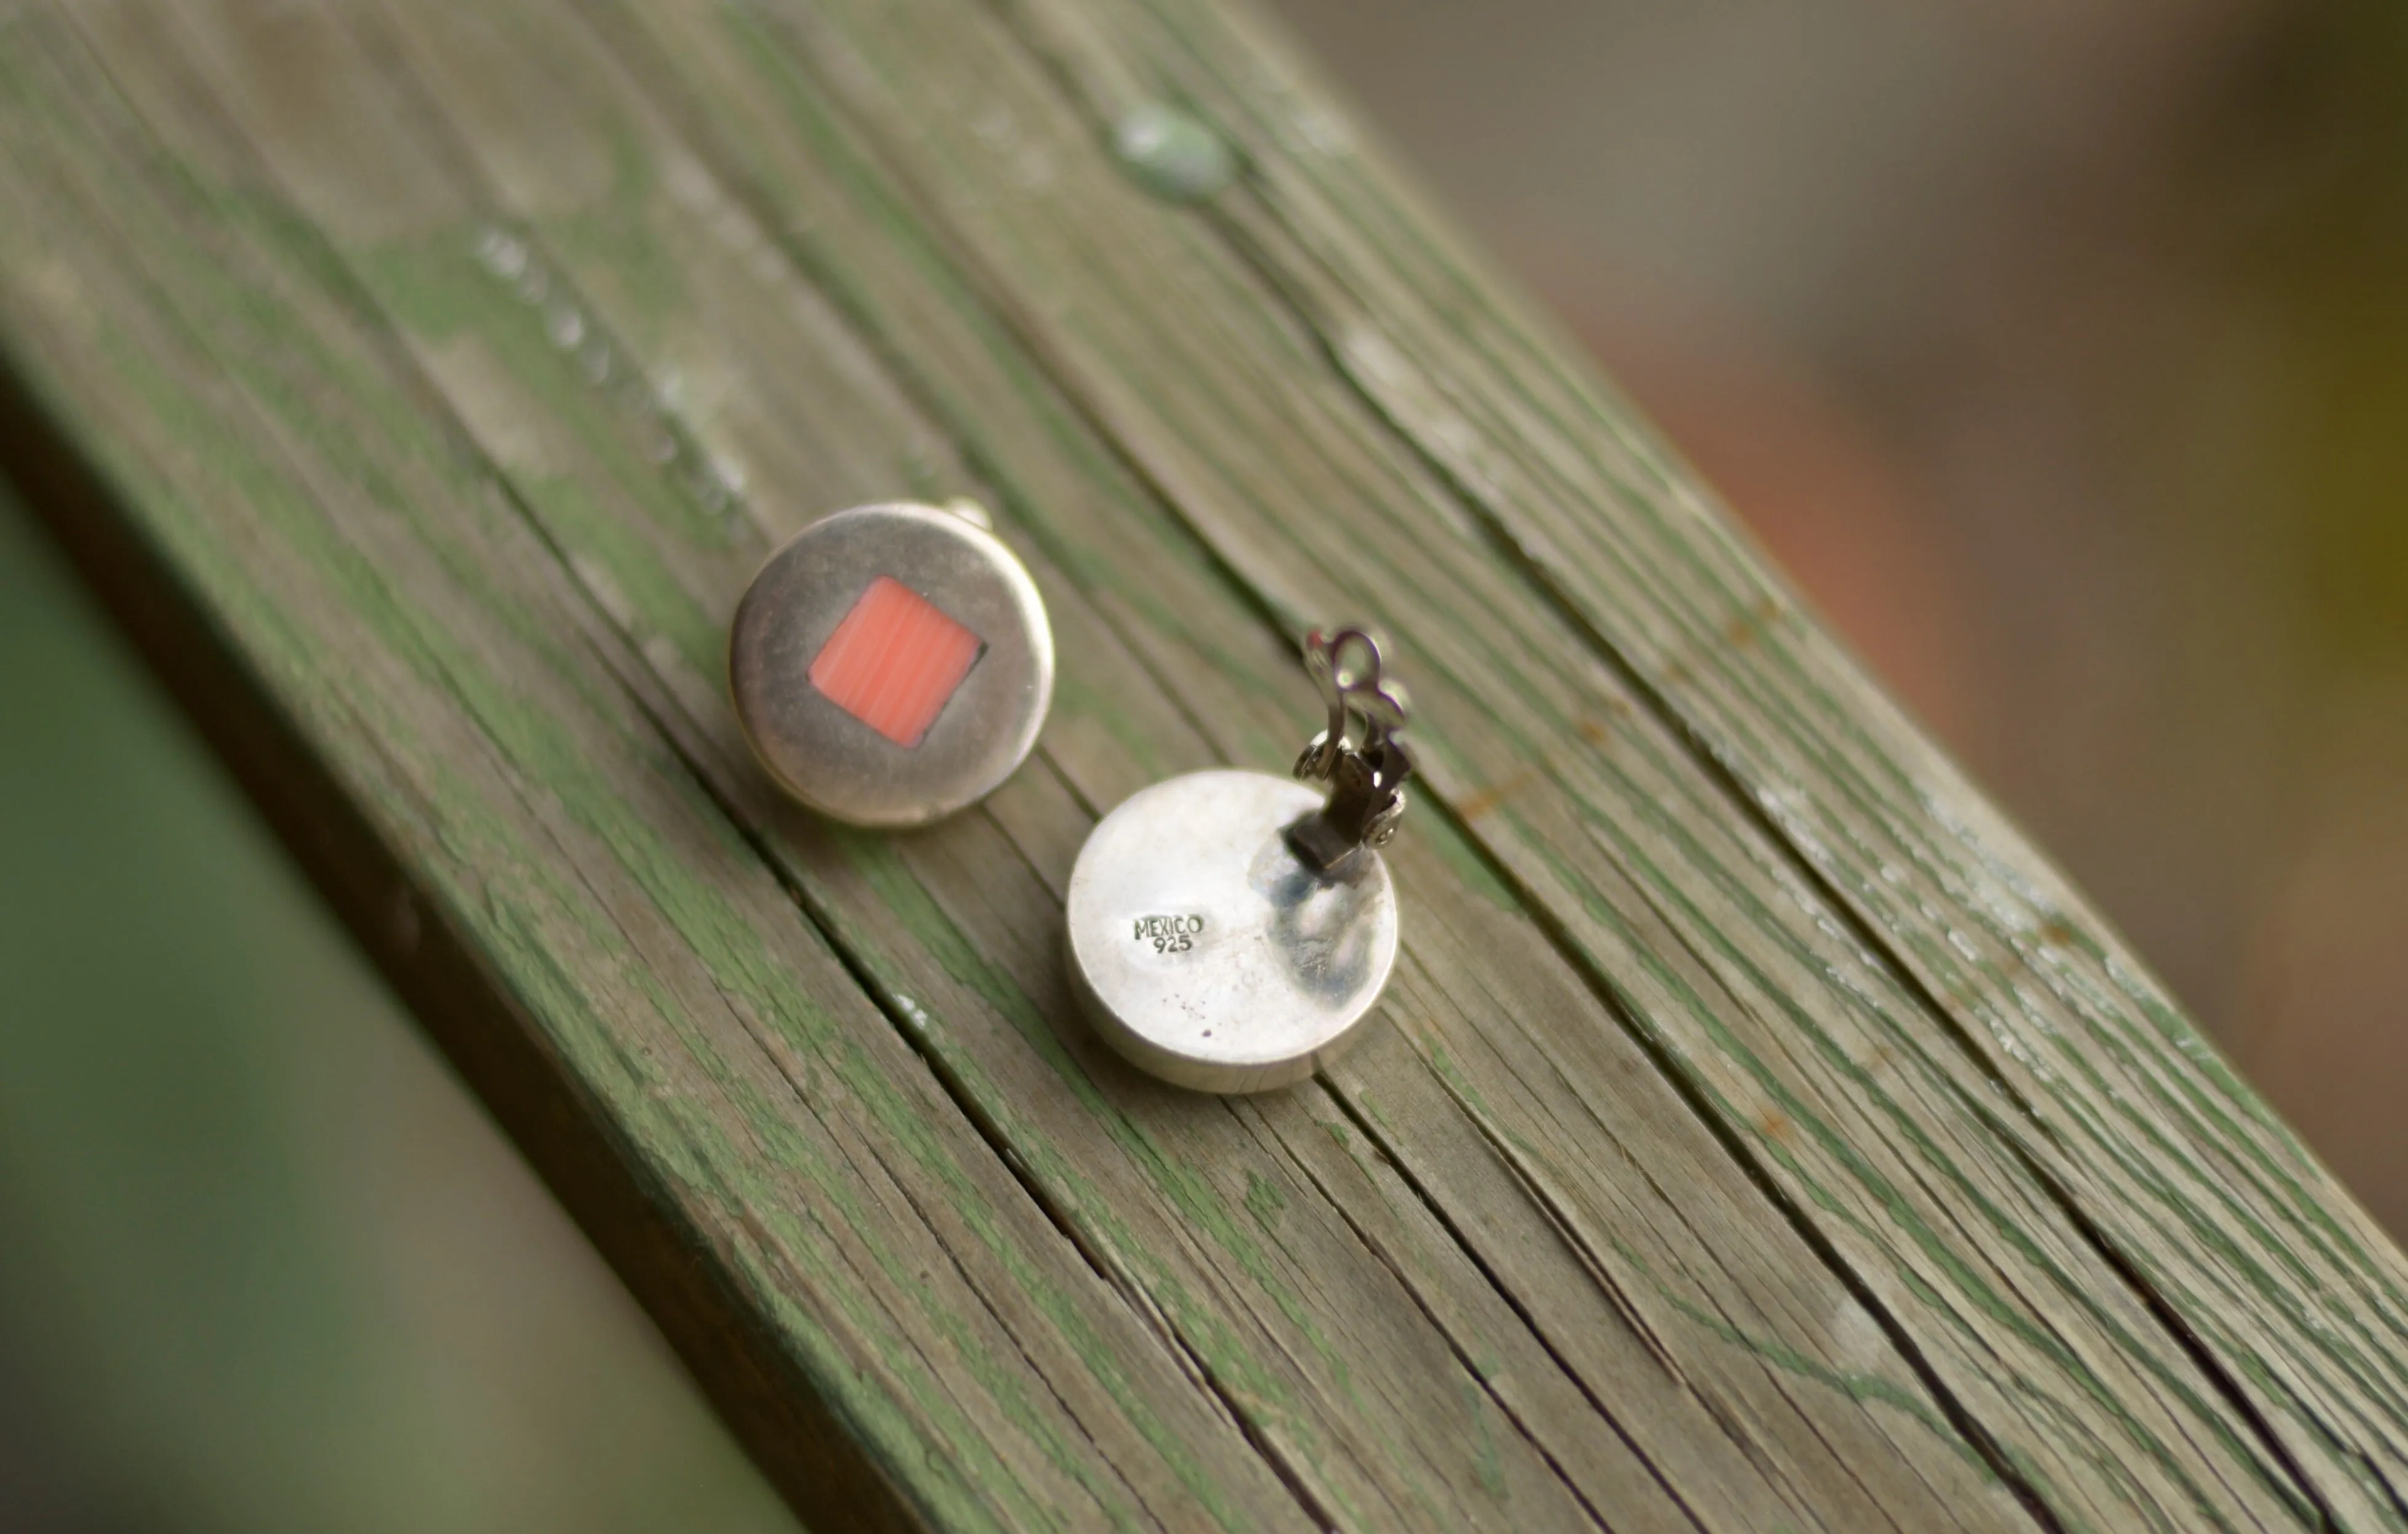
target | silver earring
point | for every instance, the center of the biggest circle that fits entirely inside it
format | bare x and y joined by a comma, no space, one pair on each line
1231,930
892,664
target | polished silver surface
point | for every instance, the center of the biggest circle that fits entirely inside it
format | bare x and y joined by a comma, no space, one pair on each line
828,756
1203,949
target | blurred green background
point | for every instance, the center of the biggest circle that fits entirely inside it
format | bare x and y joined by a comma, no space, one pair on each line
2059,347
263,1265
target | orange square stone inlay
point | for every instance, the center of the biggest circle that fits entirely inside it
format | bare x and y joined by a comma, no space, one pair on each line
894,661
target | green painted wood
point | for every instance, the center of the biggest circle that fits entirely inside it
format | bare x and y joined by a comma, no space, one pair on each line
1760,1134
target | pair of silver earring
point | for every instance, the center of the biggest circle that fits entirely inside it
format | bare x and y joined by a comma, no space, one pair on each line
1227,930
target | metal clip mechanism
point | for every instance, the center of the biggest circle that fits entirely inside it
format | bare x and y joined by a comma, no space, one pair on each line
1357,755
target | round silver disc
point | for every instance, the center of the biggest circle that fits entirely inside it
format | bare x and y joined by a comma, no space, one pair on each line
1206,953
891,663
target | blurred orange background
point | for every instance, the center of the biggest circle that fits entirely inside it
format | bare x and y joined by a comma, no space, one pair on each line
2058,349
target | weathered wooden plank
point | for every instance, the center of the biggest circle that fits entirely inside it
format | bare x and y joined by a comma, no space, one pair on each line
552,133
1690,1191
923,1346
2231,1216
2222,1216
1064,853
2175,1398
1419,1448
547,317
1674,1437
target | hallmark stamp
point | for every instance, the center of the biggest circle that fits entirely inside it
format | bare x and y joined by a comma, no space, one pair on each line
1168,934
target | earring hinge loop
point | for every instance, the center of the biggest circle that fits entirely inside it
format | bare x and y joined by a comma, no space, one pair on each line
1357,753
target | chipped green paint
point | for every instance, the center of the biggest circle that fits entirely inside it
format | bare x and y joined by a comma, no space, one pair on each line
1492,1473
1447,839
1264,1200
1856,1384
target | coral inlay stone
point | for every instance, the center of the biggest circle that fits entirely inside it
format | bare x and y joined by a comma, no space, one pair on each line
896,661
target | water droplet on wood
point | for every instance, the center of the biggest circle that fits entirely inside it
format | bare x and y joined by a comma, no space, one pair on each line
1172,154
